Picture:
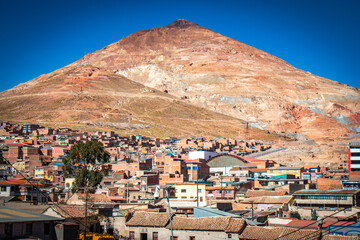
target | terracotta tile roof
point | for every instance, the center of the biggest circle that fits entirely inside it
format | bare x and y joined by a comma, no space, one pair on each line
314,224
283,233
236,225
19,182
269,200
261,233
71,211
294,234
226,224
258,193
148,219
95,197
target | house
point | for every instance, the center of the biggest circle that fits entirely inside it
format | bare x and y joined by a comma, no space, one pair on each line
150,225
322,198
147,225
277,171
16,224
197,169
74,214
206,227
283,233
95,199
219,192
191,191
24,189
328,183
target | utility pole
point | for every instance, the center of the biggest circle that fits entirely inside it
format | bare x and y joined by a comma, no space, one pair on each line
168,201
197,191
252,210
86,203
85,213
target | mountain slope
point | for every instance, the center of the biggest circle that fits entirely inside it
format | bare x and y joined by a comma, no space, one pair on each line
93,96
218,73
186,80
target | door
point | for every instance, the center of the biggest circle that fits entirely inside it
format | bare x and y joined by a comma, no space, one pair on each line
143,236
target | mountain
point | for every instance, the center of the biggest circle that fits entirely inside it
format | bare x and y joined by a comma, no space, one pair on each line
218,73
189,69
90,96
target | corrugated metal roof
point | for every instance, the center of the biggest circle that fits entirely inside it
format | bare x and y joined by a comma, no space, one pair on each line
8,214
325,191
213,211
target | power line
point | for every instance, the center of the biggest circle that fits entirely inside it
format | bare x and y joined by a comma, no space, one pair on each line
37,188
310,224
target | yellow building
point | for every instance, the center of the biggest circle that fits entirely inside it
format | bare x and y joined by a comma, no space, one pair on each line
278,171
39,173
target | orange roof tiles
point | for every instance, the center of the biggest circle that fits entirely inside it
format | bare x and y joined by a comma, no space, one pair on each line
260,193
283,233
148,219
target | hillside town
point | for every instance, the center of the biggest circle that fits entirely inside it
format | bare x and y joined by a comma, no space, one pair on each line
170,189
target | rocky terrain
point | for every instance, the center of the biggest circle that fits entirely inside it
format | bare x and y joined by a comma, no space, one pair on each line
186,79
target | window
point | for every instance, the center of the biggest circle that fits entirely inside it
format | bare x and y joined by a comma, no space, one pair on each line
183,190
271,170
132,234
199,190
8,229
46,228
28,229
3,188
192,238
210,192
188,168
194,168
287,171
201,199
155,236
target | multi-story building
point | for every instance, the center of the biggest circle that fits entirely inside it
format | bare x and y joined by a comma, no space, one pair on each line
332,198
354,156
191,191
277,171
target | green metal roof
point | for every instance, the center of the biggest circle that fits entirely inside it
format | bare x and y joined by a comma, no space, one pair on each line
8,214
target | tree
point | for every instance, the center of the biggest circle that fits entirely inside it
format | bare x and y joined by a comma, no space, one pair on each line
79,161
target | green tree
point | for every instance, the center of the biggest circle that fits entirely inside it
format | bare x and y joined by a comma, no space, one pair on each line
81,157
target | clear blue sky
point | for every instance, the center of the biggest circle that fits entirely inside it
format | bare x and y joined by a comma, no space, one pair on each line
37,36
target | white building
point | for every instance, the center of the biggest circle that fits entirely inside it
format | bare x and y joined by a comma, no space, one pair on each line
354,156
188,192
202,155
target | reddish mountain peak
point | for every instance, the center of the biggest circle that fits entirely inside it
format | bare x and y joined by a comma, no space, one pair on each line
182,23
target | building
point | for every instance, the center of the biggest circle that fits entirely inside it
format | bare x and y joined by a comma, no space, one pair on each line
206,155
277,171
354,156
332,198
188,192
20,224
24,190
224,162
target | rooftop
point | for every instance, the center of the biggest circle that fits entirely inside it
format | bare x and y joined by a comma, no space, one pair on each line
8,214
